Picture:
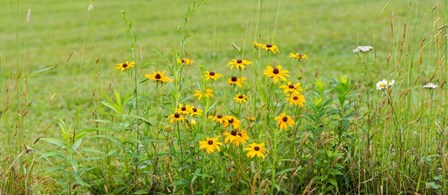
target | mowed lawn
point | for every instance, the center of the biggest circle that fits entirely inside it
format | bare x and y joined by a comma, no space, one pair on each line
83,47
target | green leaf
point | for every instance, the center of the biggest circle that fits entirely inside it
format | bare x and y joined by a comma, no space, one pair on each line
141,192
54,141
52,154
195,175
81,182
76,145
285,171
92,150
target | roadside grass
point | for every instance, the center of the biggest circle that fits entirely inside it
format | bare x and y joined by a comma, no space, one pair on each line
60,66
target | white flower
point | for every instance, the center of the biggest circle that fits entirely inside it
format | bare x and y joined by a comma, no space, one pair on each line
384,84
391,83
430,86
90,8
362,49
28,16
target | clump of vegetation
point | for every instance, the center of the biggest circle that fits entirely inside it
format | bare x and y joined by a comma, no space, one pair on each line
255,127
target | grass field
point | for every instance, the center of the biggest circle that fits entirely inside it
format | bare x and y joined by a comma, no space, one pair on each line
57,64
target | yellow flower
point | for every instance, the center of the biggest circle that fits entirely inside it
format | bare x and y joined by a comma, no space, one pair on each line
212,75
298,56
276,73
290,87
240,98
236,137
125,66
256,150
176,117
231,120
268,47
218,118
210,145
283,121
167,128
185,61
296,99
239,64
195,111
258,45
159,77
184,109
235,81
251,118
208,93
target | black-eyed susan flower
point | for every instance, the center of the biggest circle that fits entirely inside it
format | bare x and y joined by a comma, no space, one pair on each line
218,118
255,149
257,45
298,56
159,77
195,111
176,117
291,87
240,98
208,93
283,121
243,135
268,47
276,73
184,109
236,137
212,75
251,118
210,145
296,99
239,64
185,61
125,66
236,81
233,121
167,128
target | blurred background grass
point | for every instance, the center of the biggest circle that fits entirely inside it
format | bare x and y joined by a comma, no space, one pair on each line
84,47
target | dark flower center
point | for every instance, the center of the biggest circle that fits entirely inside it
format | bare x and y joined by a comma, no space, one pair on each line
234,133
212,73
176,115
240,134
231,120
239,61
241,96
195,109
295,98
219,116
256,148
285,119
210,142
276,71
183,108
234,79
291,86
124,65
268,45
183,61
158,76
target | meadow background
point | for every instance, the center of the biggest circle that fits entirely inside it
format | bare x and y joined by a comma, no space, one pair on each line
55,62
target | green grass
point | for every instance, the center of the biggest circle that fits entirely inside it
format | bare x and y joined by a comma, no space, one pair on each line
58,29
67,56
